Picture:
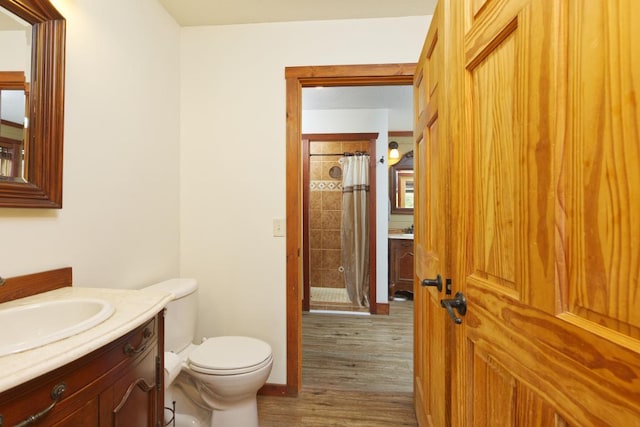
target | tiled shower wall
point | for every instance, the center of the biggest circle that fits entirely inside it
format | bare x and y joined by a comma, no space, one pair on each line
325,212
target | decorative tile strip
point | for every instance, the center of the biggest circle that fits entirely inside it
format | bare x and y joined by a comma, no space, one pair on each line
325,185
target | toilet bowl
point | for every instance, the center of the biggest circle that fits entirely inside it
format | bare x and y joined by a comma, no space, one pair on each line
230,370
225,372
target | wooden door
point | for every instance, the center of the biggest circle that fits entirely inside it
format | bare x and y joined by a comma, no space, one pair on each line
431,330
548,173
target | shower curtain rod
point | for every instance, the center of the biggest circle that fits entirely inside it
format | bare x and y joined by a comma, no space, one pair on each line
357,153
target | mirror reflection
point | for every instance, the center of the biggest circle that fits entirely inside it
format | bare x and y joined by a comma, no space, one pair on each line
15,69
401,185
404,192
12,132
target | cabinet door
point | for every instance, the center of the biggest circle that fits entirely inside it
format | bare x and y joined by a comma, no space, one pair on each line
404,265
400,266
136,395
135,398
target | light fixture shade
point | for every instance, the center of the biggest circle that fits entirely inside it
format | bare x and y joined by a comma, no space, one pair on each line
393,150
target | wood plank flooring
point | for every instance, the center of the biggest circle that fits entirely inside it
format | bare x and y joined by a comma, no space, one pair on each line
356,371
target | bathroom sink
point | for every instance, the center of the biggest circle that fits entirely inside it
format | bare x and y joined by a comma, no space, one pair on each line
401,236
32,325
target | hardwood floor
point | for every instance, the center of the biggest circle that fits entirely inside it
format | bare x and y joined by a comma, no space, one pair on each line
356,371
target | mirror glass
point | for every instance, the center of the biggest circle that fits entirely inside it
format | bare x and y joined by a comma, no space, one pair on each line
401,185
12,132
32,49
15,69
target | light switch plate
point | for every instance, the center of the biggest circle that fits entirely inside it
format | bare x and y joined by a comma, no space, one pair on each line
279,227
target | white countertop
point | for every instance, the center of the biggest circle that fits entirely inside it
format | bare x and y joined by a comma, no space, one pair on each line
401,236
132,309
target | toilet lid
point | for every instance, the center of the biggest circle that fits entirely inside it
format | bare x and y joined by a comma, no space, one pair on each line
230,355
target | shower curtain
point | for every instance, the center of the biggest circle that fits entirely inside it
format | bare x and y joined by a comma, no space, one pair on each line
355,227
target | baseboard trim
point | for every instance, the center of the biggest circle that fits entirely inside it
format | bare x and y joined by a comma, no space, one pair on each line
275,390
382,308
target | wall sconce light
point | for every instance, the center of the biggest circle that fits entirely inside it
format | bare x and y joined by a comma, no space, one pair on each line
393,150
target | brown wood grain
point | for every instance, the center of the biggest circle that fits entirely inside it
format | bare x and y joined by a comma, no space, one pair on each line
357,371
432,331
103,376
401,260
44,149
602,170
546,192
36,283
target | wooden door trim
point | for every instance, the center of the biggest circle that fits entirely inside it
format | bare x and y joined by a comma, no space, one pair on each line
306,140
297,78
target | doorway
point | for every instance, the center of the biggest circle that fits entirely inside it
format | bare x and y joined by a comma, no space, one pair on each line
326,275
296,79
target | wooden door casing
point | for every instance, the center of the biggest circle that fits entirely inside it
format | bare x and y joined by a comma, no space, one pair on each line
548,172
296,79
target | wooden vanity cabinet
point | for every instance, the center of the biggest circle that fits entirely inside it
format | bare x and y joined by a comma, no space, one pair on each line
120,384
400,266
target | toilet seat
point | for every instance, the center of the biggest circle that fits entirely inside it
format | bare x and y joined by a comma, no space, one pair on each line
230,355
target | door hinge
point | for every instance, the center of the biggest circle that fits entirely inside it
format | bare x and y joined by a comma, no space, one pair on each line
158,372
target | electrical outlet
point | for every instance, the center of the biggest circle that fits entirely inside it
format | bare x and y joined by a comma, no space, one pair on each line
279,227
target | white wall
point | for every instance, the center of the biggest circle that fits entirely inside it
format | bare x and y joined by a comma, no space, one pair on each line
119,223
372,121
232,157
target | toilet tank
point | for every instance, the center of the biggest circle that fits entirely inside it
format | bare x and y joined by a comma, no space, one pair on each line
180,317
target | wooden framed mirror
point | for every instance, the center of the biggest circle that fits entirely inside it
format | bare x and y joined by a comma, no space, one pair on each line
40,182
401,185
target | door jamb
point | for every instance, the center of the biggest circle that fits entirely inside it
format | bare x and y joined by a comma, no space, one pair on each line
296,79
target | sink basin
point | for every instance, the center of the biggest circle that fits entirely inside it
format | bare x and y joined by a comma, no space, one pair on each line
33,325
401,236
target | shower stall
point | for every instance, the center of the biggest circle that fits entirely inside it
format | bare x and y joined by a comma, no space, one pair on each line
338,221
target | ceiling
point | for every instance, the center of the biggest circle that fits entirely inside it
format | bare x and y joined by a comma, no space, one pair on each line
226,12
398,100
357,97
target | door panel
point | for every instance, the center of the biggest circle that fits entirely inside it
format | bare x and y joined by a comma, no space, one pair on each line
431,368
603,194
494,169
549,173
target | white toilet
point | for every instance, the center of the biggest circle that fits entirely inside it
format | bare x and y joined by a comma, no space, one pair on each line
225,372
